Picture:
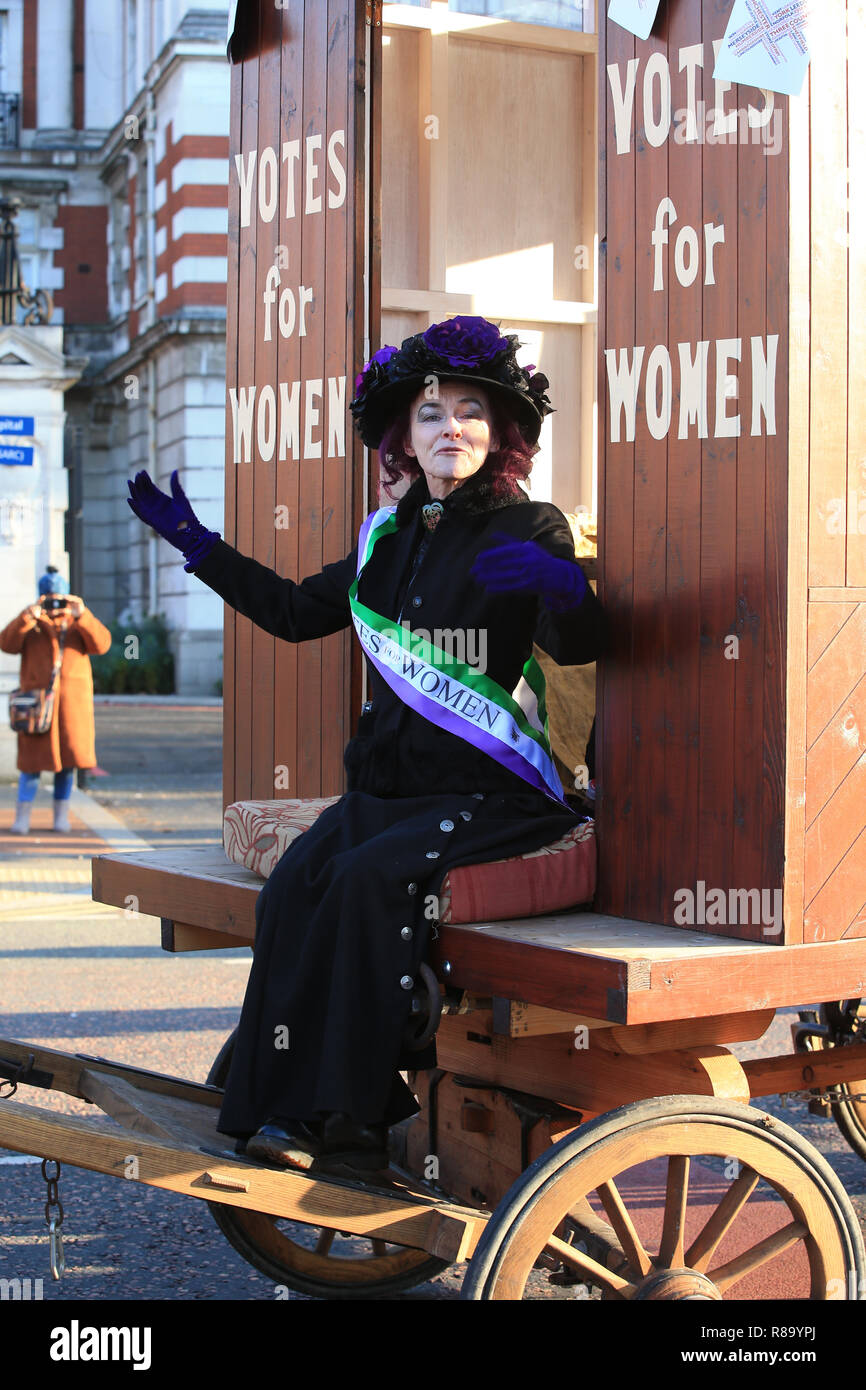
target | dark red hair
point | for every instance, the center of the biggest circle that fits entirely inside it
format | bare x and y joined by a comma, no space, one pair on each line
503,468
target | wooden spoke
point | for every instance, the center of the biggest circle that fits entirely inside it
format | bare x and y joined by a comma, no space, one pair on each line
630,1241
325,1241
595,1273
671,1252
679,1129
380,1247
702,1249
760,1254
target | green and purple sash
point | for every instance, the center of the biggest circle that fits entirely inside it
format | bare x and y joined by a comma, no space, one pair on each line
510,728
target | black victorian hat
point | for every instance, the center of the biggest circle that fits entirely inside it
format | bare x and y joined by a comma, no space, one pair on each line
465,347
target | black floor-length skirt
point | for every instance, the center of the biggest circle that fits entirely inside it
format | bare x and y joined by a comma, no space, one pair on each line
342,924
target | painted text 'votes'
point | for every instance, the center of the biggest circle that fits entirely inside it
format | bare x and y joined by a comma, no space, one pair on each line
278,419
258,174
658,116
626,366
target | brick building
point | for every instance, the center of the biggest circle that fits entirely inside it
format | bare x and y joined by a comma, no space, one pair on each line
114,138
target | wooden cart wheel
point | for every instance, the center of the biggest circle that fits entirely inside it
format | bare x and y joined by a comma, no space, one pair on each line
588,1187
839,1022
316,1260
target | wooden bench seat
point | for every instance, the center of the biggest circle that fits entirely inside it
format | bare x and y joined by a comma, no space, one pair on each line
582,962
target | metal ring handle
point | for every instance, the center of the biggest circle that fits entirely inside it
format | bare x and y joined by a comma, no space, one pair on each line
434,1010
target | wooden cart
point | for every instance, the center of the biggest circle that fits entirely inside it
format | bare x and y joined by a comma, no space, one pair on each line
731,708
615,1055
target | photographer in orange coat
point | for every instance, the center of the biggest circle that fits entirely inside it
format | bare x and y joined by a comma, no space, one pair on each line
58,623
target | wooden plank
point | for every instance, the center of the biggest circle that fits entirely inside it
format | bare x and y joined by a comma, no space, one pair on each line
834,753
754,626
796,212
343,500
591,1078
829,297
287,655
777,527
517,1019
718,511
260,473
147,1112
648,893
310,697
806,1071
615,804
504,32
855,559
837,906
833,832
681,607
236,112
825,621
65,1071
835,674
850,594
393,1215
584,963
181,936
239,719
208,892
687,1032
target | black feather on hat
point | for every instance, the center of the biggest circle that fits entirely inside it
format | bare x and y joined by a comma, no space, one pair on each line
465,347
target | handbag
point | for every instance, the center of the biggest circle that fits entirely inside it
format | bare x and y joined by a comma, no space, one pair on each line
31,711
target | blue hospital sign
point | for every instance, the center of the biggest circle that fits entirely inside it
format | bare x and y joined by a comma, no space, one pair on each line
16,453
18,424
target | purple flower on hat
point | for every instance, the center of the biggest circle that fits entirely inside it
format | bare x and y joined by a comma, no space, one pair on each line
465,341
380,358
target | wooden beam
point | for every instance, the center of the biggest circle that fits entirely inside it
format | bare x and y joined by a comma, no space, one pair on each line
65,1072
501,304
403,1216
806,1071
587,1078
182,936
441,20
828,595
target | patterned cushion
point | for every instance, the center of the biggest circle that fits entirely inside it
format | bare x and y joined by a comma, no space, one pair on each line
258,833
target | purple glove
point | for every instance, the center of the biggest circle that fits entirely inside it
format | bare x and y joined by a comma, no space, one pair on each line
526,567
172,517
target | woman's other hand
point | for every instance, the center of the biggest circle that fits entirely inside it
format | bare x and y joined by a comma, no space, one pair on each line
172,517
75,606
34,611
526,567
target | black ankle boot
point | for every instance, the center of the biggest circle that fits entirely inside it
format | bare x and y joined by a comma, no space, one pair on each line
353,1149
290,1143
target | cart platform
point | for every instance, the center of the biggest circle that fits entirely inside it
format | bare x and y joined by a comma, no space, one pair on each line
612,969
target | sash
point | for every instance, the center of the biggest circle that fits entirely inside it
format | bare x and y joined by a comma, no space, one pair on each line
510,728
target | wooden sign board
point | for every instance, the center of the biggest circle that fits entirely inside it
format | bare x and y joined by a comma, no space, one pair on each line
730,446
295,339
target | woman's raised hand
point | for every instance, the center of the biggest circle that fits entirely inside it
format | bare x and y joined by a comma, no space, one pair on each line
172,517
513,567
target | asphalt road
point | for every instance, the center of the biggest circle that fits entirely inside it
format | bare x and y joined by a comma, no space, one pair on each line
94,980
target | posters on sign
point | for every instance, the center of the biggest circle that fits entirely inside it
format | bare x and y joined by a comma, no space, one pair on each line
634,15
766,44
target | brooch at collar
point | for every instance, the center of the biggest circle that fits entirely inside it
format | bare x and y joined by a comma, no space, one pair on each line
432,512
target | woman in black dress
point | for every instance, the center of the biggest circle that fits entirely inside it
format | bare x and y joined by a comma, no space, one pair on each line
450,765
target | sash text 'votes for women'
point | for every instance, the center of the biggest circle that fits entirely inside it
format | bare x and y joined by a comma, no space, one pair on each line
427,679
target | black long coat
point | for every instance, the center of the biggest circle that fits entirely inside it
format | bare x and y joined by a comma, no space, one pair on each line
343,921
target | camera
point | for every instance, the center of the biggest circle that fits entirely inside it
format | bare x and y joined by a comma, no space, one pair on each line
53,603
